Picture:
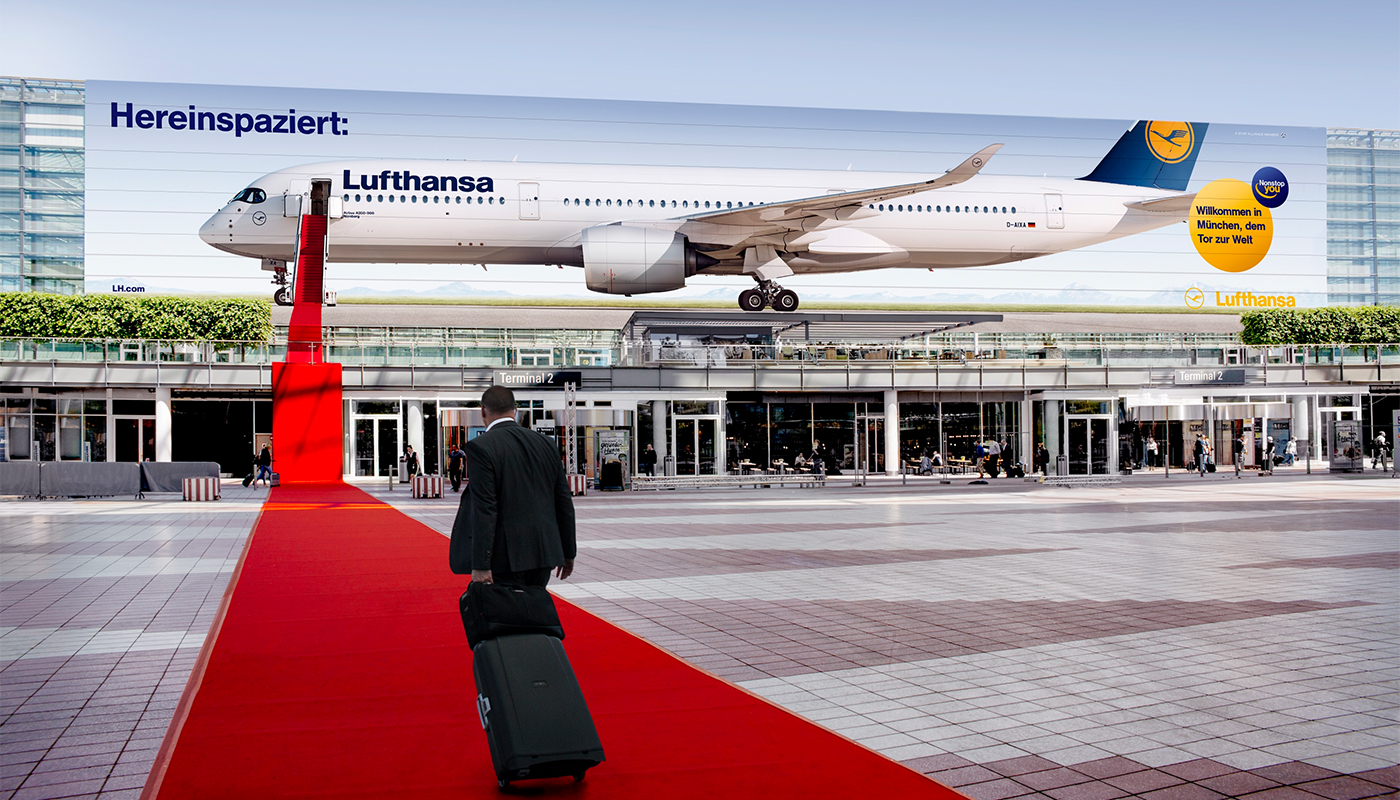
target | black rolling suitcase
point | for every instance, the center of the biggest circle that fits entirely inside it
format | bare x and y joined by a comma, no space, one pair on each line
536,720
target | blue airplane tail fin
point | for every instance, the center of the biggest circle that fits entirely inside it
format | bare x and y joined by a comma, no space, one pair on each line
1154,153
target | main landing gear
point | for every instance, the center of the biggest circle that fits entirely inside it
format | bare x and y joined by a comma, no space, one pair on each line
768,293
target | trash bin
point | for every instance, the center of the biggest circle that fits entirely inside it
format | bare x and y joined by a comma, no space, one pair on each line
669,465
1062,464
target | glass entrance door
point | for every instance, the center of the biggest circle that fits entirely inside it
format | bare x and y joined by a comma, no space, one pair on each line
870,449
136,439
694,438
1087,444
387,446
376,445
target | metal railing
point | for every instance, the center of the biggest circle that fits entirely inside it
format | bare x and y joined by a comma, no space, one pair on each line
111,351
1118,351
456,348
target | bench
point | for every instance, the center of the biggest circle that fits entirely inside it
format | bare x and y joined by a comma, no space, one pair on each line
649,483
1071,481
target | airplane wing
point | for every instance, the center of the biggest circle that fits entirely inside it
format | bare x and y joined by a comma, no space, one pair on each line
793,214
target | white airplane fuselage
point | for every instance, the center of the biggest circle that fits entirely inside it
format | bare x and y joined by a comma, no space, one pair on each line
985,220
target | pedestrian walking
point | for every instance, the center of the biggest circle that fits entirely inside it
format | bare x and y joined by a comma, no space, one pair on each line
264,464
456,466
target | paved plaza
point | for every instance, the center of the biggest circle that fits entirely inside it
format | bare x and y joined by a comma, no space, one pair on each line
1182,638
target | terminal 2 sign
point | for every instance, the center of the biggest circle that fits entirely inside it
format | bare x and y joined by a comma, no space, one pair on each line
1203,377
536,379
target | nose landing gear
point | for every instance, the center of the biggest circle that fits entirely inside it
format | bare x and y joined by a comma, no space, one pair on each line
768,294
283,295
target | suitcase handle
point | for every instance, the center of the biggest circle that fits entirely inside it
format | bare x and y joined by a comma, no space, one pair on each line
483,707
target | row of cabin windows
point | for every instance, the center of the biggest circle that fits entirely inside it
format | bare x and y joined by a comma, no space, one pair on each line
413,198
653,203
941,209
370,198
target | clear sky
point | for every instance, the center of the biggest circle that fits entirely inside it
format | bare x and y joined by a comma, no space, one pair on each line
1282,62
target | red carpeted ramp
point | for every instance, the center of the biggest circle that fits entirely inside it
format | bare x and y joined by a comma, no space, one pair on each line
308,428
338,668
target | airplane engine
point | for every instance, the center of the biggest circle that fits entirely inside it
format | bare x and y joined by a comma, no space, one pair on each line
622,259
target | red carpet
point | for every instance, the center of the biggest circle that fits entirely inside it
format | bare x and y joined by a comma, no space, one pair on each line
339,669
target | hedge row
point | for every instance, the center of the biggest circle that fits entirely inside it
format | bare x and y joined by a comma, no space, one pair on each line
1334,325
105,316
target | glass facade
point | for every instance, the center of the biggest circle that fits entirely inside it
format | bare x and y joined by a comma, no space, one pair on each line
41,185
1363,217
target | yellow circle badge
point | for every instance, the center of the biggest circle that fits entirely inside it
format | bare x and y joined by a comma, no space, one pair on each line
1170,141
1231,231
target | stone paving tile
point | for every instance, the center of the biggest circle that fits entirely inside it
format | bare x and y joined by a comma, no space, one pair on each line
1164,638
1382,560
640,564
103,606
823,636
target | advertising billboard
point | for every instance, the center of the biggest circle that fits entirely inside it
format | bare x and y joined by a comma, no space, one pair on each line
486,195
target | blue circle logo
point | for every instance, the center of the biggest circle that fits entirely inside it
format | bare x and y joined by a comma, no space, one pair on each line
1270,187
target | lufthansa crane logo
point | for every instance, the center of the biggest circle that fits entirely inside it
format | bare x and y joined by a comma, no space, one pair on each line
1170,141
1195,298
259,218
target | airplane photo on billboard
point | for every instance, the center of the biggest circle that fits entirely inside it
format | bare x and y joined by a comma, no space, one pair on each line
638,230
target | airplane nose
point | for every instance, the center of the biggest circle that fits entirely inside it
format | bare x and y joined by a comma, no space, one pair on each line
213,227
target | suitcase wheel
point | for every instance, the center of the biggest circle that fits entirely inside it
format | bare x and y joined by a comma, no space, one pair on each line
502,783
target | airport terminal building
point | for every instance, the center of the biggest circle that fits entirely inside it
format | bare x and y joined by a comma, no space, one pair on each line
711,391
716,392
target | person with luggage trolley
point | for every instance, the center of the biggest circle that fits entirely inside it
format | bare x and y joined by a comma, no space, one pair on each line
515,526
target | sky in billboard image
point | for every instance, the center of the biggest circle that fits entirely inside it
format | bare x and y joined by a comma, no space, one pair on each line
150,189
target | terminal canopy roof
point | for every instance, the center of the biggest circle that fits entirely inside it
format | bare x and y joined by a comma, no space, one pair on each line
818,326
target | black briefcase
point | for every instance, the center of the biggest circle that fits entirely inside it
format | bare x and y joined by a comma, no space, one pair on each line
532,709
490,610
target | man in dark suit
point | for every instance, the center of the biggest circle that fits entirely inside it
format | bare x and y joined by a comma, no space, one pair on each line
516,520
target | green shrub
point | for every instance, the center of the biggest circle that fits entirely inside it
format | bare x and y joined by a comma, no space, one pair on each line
1333,325
105,316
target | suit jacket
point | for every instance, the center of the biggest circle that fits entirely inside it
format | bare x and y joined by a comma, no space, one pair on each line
517,513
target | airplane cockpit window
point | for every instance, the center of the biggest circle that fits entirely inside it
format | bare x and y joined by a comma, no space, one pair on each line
250,195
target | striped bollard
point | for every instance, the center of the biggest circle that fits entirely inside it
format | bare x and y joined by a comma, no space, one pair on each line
200,489
427,486
578,485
